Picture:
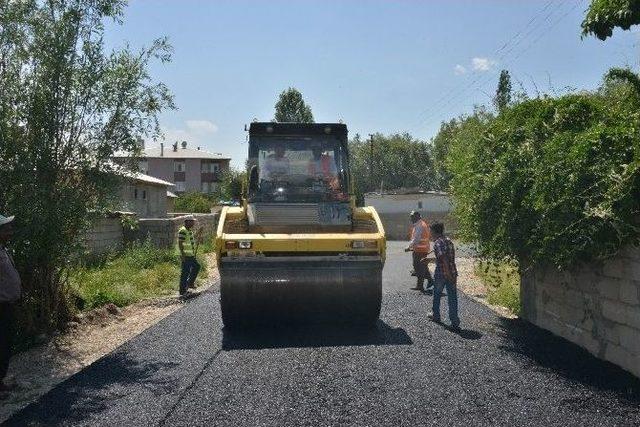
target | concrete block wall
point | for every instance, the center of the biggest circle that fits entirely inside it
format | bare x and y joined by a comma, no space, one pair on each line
105,235
162,232
596,306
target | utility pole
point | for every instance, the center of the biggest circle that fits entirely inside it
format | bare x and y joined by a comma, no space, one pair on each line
371,184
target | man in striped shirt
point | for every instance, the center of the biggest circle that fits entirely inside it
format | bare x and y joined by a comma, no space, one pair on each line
188,249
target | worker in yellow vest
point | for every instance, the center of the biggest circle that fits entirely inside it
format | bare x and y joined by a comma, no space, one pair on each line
420,246
188,249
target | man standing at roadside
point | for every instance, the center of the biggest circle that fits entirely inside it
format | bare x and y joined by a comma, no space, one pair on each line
445,275
10,293
419,245
188,249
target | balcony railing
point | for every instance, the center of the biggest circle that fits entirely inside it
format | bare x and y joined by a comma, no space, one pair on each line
211,176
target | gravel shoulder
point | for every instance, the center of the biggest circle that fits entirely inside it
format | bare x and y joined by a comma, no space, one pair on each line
99,332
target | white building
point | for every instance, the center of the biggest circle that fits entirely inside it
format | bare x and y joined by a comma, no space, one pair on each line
394,209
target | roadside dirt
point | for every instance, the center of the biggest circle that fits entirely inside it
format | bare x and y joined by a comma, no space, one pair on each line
93,335
473,287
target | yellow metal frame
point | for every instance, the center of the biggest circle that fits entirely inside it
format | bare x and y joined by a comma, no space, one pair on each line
300,242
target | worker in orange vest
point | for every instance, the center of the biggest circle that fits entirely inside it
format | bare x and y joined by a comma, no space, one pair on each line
324,166
420,246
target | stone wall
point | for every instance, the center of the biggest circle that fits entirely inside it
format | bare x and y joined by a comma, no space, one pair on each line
105,235
162,232
595,306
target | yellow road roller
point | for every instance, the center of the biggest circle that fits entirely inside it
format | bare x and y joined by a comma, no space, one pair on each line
298,249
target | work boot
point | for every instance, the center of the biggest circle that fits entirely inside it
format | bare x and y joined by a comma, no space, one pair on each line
418,288
431,317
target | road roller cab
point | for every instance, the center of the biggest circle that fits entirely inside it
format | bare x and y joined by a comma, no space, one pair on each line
298,249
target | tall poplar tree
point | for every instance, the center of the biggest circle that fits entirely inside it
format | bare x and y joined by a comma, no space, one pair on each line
292,108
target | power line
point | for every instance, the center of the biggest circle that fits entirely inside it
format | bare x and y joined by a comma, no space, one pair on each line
513,39
453,96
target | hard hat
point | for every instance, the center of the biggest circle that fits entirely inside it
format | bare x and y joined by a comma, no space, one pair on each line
6,219
414,214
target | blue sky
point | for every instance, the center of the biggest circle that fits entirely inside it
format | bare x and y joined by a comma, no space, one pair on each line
380,66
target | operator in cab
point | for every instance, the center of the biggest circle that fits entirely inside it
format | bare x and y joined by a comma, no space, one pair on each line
276,164
323,166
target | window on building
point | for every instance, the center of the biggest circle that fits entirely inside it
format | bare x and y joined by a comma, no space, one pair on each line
209,166
144,194
180,186
419,205
143,165
179,166
135,193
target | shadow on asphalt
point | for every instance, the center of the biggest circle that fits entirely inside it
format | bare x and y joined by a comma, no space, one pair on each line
544,350
313,336
467,334
91,390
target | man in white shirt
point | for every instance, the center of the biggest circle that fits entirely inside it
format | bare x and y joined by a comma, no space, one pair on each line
276,165
10,293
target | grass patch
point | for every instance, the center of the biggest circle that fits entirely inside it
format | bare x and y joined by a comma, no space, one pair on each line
502,280
141,271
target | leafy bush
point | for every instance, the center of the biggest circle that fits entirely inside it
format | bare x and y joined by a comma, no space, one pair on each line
460,130
502,281
141,271
553,180
194,203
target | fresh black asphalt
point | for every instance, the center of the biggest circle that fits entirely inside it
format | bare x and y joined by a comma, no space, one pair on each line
187,371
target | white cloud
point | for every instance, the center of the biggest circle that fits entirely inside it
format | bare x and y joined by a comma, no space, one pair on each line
201,126
459,70
193,131
482,64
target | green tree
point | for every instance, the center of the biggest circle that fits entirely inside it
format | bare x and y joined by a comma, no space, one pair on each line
292,108
396,161
503,93
232,185
605,15
66,106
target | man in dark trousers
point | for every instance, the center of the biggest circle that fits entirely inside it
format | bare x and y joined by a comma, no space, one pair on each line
419,245
188,247
445,275
10,293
